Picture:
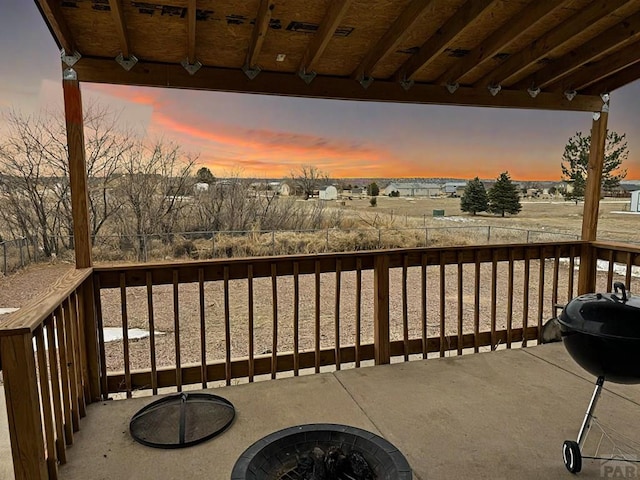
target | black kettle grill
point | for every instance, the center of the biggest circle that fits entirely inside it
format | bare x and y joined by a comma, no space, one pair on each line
601,332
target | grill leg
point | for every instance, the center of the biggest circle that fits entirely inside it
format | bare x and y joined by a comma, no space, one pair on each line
586,423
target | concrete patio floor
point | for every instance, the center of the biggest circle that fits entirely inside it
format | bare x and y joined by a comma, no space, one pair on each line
500,415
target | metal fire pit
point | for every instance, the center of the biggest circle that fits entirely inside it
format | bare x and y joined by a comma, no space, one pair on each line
601,332
275,456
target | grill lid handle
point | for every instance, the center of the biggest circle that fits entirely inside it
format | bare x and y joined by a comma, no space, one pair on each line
620,286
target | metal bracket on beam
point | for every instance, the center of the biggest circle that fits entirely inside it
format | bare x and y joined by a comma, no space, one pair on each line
596,116
126,63
191,67
69,74
307,76
406,84
570,94
365,81
452,86
251,72
605,107
533,91
70,60
494,89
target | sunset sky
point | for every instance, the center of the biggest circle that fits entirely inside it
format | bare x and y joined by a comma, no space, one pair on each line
268,137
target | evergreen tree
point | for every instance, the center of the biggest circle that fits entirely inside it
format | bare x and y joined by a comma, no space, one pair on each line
474,199
373,190
503,196
575,162
204,175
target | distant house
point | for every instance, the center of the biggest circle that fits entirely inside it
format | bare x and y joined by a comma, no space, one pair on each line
413,189
454,189
200,187
328,193
635,201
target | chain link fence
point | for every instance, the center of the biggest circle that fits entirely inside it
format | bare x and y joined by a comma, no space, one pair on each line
18,253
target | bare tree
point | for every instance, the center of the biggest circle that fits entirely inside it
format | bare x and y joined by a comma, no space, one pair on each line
308,178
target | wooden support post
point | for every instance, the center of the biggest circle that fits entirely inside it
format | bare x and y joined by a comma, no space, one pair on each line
381,310
23,407
587,272
87,307
77,168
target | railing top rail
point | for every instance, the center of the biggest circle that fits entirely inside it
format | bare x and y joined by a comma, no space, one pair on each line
135,274
619,246
29,317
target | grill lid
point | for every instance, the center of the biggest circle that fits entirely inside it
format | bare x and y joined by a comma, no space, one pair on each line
181,420
613,315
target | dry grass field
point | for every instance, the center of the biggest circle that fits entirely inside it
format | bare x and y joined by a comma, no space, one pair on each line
564,217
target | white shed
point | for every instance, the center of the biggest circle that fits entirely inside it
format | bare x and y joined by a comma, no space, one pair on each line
328,193
635,201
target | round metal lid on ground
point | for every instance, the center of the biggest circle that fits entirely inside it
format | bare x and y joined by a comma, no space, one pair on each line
182,420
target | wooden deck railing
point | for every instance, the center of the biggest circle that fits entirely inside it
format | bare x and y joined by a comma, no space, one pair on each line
232,319
240,319
46,370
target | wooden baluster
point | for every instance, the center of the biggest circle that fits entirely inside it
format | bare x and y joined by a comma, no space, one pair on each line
525,295
251,334
125,334
104,386
610,271
460,304
443,293
476,303
405,307
337,314
23,407
55,387
510,299
203,329
274,304
627,277
79,367
494,297
152,333
296,319
64,376
358,309
317,319
423,304
69,319
49,437
556,275
541,292
176,328
572,266
382,350
79,326
227,327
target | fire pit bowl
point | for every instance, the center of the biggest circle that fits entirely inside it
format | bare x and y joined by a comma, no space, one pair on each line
601,332
275,457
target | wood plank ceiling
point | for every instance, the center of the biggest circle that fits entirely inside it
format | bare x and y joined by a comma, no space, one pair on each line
504,53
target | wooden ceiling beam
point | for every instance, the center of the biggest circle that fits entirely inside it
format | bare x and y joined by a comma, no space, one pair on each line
121,27
101,70
259,31
550,41
191,31
58,25
596,71
613,82
318,44
532,14
390,41
444,37
615,37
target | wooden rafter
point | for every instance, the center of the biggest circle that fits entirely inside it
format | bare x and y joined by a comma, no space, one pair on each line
591,74
121,27
446,34
549,42
500,40
613,82
615,37
319,42
259,31
51,10
390,41
191,31
281,83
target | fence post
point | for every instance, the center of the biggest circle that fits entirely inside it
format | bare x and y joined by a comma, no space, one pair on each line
528,232
426,237
21,252
144,248
379,238
381,344
23,407
213,244
4,252
273,242
489,234
35,248
327,239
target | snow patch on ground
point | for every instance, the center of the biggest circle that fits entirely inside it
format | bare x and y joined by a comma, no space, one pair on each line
112,334
5,310
603,266
455,219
